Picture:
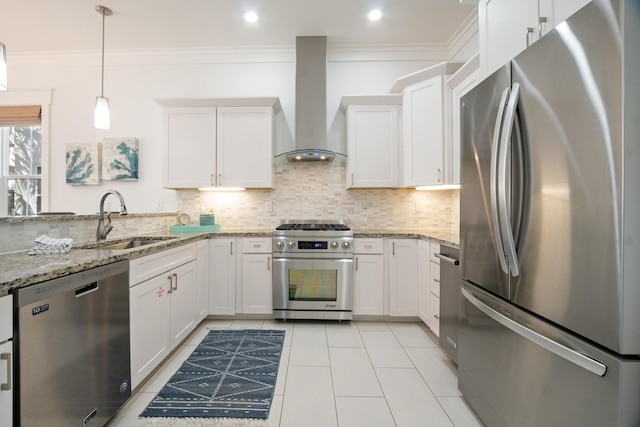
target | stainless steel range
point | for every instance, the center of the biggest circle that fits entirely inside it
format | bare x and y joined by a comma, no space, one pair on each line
313,270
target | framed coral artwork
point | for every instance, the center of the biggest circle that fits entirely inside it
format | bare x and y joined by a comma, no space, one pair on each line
119,159
84,163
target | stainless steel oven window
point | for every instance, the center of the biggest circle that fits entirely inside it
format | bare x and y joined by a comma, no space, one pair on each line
313,284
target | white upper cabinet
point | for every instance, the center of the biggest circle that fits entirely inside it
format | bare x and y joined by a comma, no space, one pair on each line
189,147
218,142
426,117
245,147
372,140
465,79
507,27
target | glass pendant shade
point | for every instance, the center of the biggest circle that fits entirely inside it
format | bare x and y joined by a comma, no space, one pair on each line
3,67
102,118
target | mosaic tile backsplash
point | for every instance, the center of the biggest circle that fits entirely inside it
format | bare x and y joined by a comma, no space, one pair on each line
317,191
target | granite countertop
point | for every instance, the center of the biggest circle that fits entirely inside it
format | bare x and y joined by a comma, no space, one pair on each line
19,269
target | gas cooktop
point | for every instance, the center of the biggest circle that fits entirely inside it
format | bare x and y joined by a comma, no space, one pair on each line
313,225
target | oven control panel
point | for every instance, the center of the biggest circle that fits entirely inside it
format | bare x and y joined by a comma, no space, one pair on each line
332,245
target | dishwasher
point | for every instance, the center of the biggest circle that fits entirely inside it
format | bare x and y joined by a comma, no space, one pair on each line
72,348
449,300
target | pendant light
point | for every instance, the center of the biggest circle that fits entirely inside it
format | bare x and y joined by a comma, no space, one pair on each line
3,67
102,118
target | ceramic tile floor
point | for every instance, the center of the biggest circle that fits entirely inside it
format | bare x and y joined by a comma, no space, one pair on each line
343,374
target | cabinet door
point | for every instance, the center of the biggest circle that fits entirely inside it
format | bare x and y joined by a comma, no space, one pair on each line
245,147
556,11
457,93
182,310
6,396
424,285
423,140
150,319
435,314
368,281
403,277
257,294
222,276
503,30
189,156
372,144
201,293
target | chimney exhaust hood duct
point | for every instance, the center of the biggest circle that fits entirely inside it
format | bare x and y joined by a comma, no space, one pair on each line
311,101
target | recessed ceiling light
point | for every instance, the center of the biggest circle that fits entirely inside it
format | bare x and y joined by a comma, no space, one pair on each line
251,16
375,15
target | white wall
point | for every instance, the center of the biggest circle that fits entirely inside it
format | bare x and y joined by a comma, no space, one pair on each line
133,79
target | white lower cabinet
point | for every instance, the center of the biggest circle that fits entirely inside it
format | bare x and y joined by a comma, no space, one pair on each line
403,277
368,277
150,326
222,276
162,311
257,262
6,360
424,282
201,292
434,289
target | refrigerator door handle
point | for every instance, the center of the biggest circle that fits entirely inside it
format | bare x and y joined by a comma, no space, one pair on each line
493,187
503,176
566,353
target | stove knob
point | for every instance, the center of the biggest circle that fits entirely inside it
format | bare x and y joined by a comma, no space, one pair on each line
334,245
346,245
291,245
280,245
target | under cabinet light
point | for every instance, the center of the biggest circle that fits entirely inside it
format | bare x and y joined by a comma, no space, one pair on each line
438,187
221,189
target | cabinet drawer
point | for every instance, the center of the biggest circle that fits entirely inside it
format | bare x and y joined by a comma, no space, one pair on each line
6,317
367,246
435,279
145,268
256,245
434,248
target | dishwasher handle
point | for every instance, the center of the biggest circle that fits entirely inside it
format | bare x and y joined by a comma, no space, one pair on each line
85,290
450,260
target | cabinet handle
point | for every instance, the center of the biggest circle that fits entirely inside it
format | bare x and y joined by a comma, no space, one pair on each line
213,180
351,179
356,263
439,175
436,316
393,248
541,24
175,281
219,179
7,357
170,284
231,248
436,280
269,263
527,36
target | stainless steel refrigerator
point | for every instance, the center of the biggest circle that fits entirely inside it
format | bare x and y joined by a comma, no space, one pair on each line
550,229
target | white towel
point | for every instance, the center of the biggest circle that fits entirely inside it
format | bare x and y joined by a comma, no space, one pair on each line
45,245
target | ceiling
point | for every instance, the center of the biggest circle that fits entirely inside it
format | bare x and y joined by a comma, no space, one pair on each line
74,25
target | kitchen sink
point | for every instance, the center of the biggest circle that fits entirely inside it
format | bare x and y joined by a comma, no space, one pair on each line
135,242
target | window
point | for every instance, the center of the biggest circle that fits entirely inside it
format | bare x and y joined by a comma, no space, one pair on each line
23,152
22,169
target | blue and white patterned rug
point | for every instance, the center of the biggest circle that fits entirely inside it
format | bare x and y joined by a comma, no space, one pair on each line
230,375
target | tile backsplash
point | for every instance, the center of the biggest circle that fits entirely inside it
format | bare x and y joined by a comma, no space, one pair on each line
317,191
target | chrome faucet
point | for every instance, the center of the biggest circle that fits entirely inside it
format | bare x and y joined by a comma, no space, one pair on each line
103,230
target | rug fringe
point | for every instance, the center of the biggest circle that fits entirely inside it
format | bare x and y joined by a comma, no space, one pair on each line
199,422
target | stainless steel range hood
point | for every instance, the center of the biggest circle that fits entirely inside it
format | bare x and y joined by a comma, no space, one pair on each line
311,101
